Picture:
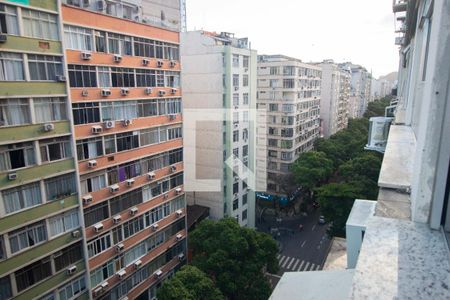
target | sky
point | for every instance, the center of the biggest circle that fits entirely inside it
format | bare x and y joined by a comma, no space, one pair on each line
360,31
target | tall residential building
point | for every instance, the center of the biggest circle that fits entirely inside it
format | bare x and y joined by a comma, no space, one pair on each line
219,73
290,91
359,90
41,246
334,98
124,75
398,246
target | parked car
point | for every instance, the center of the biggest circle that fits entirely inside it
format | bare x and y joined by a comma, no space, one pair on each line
322,220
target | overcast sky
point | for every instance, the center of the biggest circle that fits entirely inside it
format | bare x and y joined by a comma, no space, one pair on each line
361,31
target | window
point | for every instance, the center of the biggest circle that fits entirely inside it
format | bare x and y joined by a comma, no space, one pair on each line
2,249
16,156
5,288
273,142
122,77
33,274
125,201
82,76
64,222
235,204
119,110
235,99
149,136
77,38
14,112
244,215
245,150
55,149
119,44
235,80
245,98
144,47
145,78
245,80
273,107
174,133
73,288
273,153
68,256
171,52
111,8
245,61
235,187
274,70
286,155
60,187
245,116
89,148
21,197
84,113
235,60
49,109
11,66
245,134
27,236
104,77
127,140
110,144
172,79
173,106
100,41
288,83
92,183
284,167
127,11
244,199
44,67
148,108
134,226
8,20
102,273
40,24
236,152
99,245
236,136
96,213
289,70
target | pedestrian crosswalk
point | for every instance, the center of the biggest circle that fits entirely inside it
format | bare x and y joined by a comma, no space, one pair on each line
295,264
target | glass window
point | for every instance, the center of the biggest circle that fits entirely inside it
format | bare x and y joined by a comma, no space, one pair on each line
8,19
22,197
14,112
11,66
245,61
104,77
89,148
100,41
40,24
16,156
147,108
84,113
119,110
99,245
73,288
119,44
27,236
244,215
82,76
77,38
96,213
55,149
92,183
64,222
245,80
235,204
235,60
122,77
5,288
144,47
33,274
60,187
235,80
244,199
44,67
245,98
68,256
49,109
128,140
172,79
236,136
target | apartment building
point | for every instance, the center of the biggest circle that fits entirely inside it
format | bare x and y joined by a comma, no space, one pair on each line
334,100
360,94
290,91
41,246
398,246
219,74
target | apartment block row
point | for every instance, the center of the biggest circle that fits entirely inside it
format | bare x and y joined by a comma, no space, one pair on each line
91,161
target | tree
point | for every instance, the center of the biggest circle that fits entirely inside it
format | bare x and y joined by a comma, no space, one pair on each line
235,257
336,201
311,169
189,283
376,108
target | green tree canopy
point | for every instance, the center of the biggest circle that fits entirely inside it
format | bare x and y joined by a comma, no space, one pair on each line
311,169
189,283
234,257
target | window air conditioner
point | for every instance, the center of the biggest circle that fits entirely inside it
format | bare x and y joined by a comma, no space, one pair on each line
92,163
87,199
98,227
109,124
106,93
49,127
117,58
86,55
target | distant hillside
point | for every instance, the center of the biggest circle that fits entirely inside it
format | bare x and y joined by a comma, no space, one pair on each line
391,77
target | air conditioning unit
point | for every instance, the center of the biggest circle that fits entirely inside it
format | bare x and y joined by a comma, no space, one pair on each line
179,236
120,247
145,62
181,256
104,284
98,227
159,63
173,91
179,212
173,168
166,196
121,274
148,91
86,55
172,117
172,63
155,226
138,263
130,182
71,270
158,273
124,91
161,93
127,122
378,133
101,5
49,127
92,163
84,93
12,176
76,234
114,188
151,175
3,38
109,124
178,190
97,291
117,219
97,129
87,199
133,211
236,88
117,58
61,78
106,93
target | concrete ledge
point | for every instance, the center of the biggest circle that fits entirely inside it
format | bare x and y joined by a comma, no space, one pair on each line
396,169
393,204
